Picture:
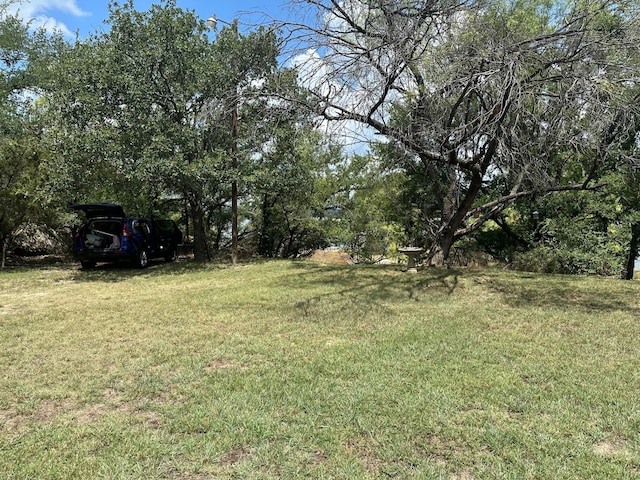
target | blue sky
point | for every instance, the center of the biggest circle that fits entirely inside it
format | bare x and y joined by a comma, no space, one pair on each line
87,16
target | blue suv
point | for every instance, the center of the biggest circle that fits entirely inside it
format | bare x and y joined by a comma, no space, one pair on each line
108,235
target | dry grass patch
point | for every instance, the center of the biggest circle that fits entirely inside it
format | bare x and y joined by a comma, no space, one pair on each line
364,452
609,447
238,454
335,257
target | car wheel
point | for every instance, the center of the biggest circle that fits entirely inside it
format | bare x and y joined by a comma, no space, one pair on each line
172,255
143,259
87,265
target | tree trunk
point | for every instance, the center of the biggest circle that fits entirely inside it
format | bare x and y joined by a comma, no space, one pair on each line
266,240
455,209
218,240
5,246
439,251
200,251
634,246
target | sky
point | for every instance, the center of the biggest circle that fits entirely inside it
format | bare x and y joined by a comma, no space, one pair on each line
88,16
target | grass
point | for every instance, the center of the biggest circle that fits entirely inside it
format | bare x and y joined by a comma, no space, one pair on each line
302,370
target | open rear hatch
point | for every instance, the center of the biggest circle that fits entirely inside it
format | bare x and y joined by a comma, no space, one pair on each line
96,210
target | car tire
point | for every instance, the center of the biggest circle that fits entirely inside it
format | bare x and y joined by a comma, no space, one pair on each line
142,259
172,256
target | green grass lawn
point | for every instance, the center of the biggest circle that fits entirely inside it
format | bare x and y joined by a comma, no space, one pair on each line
301,370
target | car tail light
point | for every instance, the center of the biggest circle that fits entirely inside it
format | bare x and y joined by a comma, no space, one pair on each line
125,232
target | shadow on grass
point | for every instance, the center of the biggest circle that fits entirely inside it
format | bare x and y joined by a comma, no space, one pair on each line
564,291
112,272
378,284
118,272
367,286
37,262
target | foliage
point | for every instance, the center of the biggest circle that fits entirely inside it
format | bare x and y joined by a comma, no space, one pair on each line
292,184
486,109
581,233
369,220
20,180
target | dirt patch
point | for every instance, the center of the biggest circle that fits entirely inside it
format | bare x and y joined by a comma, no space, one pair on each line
608,447
223,364
319,457
365,453
10,420
236,455
337,257
466,474
220,364
91,413
15,422
48,410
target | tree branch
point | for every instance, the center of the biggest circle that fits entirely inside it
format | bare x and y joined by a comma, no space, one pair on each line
494,207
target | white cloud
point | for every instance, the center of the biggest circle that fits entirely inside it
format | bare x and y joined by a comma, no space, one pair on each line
50,24
318,75
34,8
39,12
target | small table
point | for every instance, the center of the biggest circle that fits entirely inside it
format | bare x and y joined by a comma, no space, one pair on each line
411,253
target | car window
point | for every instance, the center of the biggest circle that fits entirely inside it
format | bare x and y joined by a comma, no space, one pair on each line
140,226
109,226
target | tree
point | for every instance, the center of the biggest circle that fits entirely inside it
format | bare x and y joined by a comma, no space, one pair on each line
631,200
535,93
21,152
291,187
20,180
143,110
370,208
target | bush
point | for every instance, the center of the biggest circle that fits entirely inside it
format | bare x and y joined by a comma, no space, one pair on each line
546,259
31,240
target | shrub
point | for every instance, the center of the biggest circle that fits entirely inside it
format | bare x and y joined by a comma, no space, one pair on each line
547,259
31,239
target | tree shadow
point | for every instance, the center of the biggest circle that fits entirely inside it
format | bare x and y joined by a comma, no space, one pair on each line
119,272
596,294
16,263
378,285
368,286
